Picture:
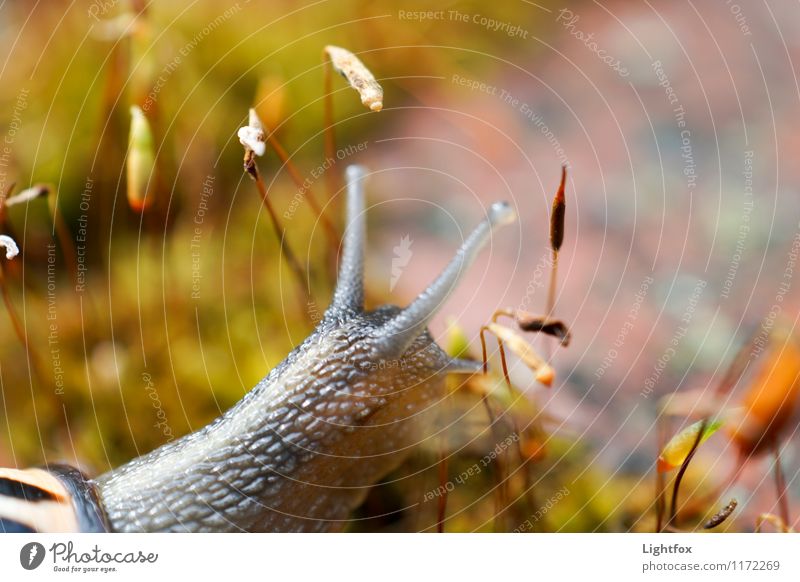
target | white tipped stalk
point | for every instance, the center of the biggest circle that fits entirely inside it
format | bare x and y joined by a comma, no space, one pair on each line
358,75
406,326
349,295
252,136
12,250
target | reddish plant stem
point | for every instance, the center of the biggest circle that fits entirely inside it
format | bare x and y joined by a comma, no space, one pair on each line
673,512
780,487
441,512
327,120
252,170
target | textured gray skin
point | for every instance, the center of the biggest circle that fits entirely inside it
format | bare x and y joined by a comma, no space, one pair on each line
300,451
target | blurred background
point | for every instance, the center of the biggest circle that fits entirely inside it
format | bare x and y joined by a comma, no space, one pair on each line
675,121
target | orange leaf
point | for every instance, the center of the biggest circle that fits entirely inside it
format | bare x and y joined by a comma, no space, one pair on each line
771,401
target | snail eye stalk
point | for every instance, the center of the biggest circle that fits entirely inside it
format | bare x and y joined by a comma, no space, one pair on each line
399,332
348,299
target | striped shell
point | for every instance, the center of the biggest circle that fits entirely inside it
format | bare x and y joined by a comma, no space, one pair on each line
57,499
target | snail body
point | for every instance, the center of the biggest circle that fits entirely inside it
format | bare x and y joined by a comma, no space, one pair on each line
300,451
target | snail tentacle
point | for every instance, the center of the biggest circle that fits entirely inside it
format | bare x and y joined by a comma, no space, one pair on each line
348,299
400,331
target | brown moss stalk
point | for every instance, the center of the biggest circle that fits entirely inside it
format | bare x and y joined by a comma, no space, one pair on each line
294,265
673,512
557,218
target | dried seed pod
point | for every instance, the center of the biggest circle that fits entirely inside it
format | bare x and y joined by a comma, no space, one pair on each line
358,75
141,162
558,213
32,193
540,323
721,515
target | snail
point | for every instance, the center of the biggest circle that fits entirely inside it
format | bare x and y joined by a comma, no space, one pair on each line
300,451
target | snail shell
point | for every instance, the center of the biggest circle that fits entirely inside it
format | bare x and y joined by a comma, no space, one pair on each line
58,498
